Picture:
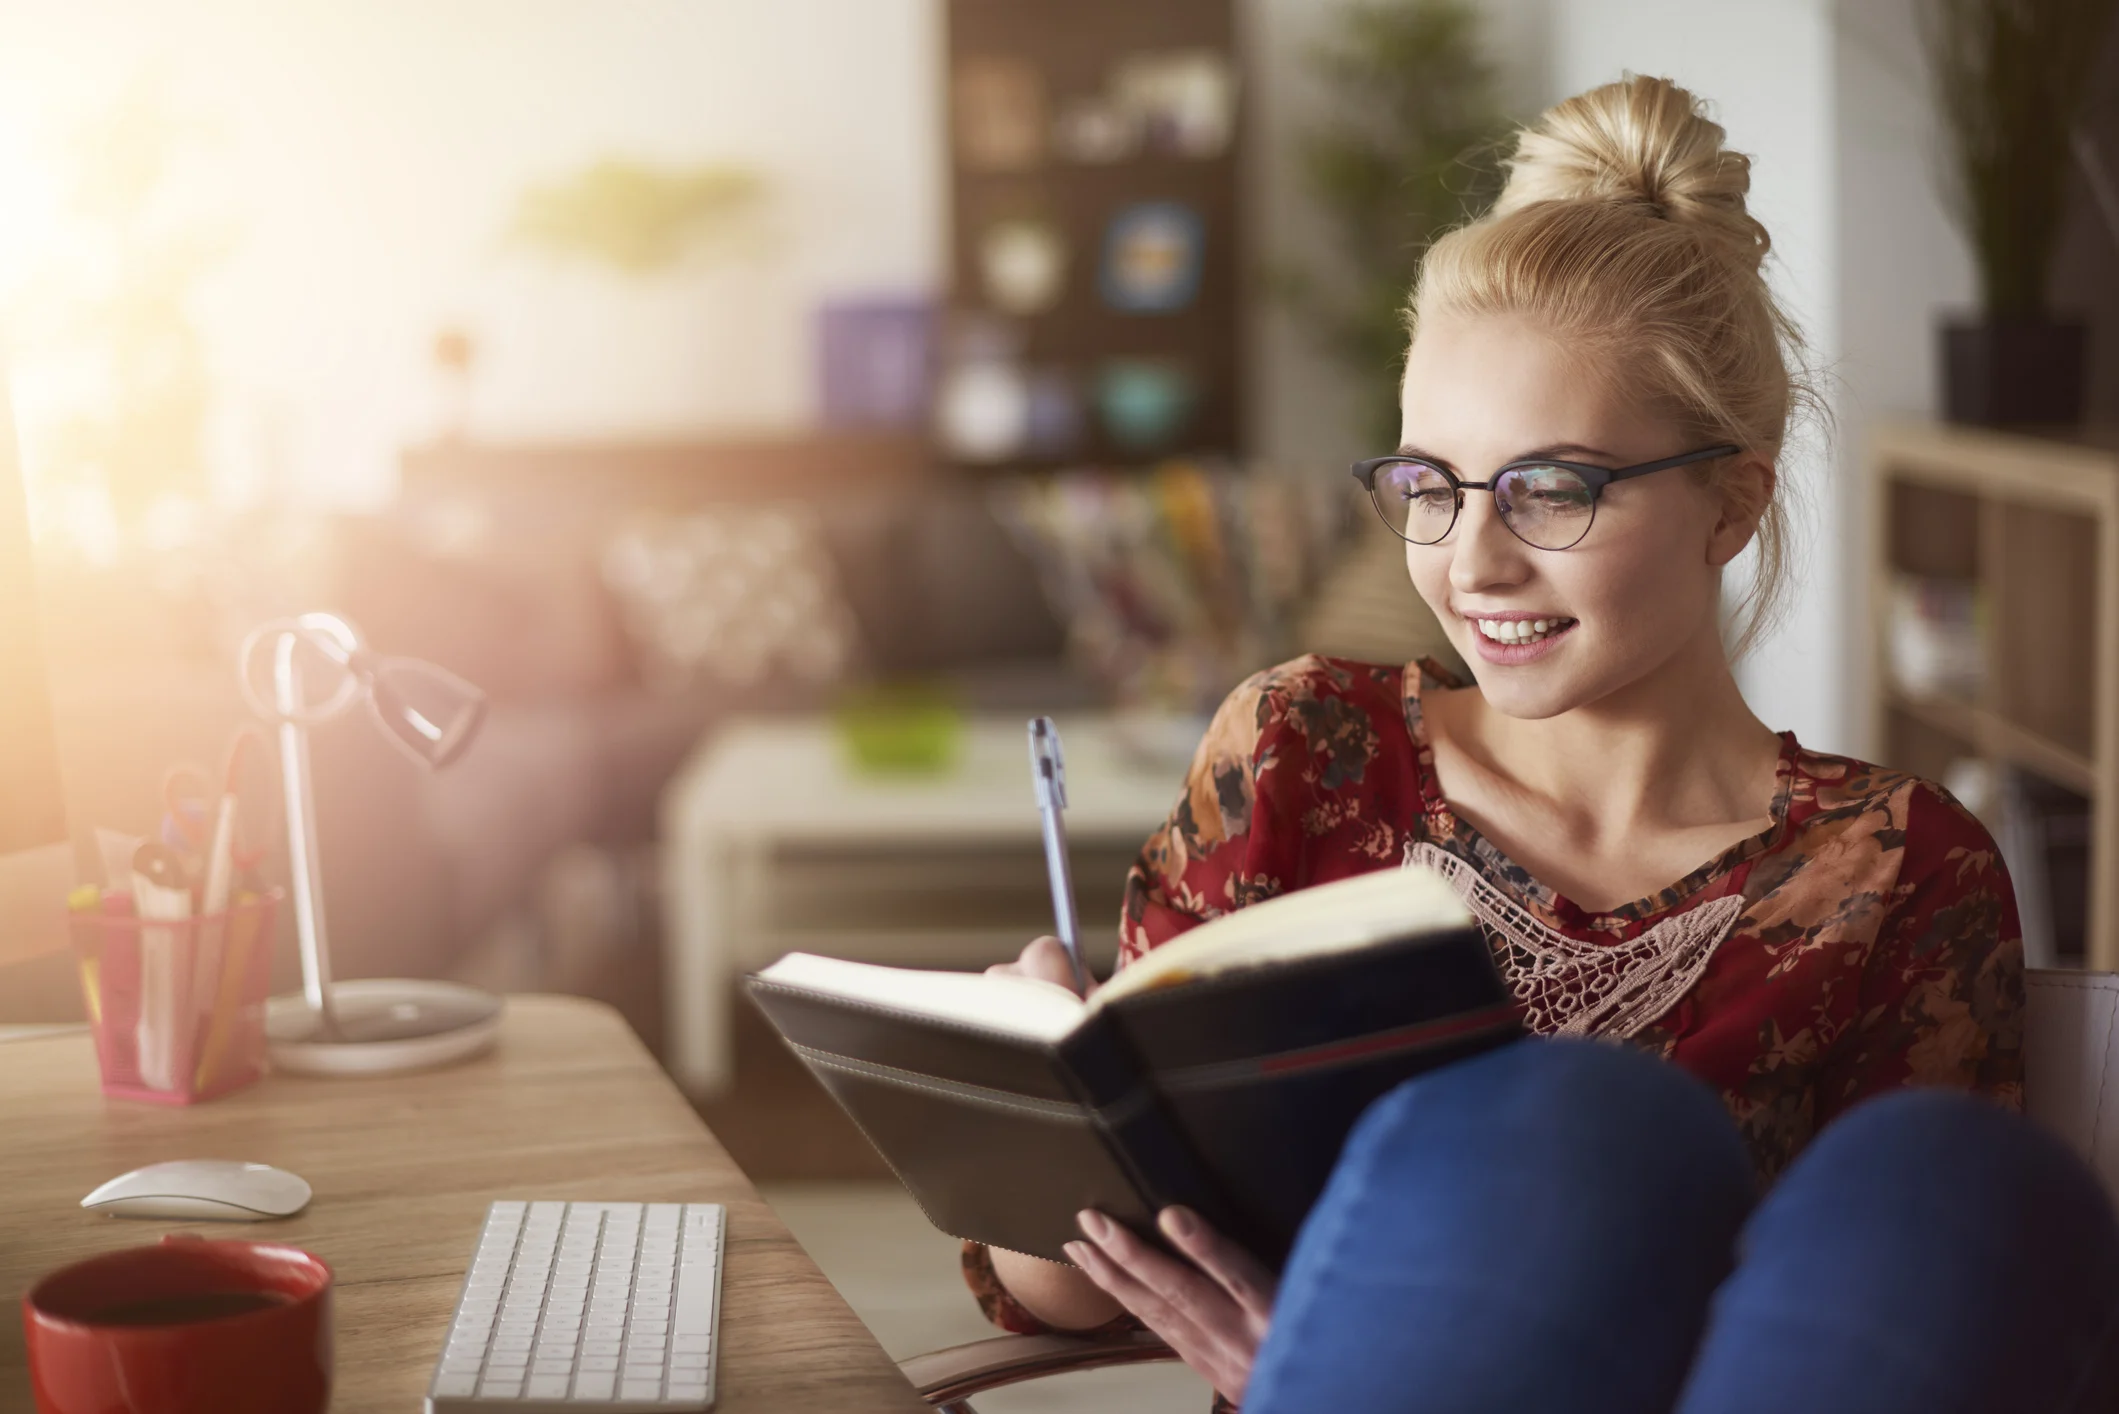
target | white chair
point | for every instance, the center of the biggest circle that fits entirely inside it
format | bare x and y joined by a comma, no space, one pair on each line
2071,1083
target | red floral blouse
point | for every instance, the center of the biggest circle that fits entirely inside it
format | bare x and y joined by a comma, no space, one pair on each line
1874,940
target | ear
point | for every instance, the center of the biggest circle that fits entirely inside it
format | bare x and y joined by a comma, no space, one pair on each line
1747,489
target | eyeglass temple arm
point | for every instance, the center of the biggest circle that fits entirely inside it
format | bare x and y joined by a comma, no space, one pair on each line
1705,454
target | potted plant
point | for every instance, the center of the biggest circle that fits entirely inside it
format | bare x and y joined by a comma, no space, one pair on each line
1402,149
2009,79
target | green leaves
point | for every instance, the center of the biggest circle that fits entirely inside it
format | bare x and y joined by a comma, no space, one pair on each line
1402,151
639,219
2009,78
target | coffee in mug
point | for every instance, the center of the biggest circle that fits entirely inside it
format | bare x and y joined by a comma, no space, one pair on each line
187,1327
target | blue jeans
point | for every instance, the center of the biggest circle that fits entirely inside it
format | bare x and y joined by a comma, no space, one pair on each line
1570,1227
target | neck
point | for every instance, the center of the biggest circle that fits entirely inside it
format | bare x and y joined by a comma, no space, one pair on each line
1674,748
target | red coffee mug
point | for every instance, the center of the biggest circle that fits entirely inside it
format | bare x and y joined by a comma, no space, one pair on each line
188,1327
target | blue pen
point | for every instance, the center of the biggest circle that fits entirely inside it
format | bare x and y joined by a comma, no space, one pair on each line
1048,772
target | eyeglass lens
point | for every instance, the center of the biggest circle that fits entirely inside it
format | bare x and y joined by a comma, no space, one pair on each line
1546,506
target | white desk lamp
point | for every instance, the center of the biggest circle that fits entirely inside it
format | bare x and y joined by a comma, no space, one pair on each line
369,1025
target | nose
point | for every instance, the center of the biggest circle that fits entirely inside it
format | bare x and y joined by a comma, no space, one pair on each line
1484,554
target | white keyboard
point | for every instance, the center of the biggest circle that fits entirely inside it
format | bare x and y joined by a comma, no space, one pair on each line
575,1307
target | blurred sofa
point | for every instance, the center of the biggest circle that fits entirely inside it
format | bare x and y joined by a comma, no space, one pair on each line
490,563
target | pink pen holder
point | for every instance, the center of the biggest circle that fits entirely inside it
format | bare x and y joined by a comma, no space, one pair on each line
177,1006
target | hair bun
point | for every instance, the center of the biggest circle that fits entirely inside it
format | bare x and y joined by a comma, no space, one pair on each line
1642,142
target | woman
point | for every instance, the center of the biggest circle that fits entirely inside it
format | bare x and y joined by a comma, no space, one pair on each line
1596,393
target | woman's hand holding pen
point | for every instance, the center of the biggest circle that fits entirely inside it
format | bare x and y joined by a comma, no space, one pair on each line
1044,960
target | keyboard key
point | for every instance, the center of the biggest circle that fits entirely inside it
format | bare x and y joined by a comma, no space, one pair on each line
594,1386
690,1389
640,1389
448,1386
694,1311
548,1386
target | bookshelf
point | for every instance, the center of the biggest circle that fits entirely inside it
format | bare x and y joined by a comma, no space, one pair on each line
1097,260
2033,523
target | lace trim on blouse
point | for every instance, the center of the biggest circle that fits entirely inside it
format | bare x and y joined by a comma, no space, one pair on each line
1568,987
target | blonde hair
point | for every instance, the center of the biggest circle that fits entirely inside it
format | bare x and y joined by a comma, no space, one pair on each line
1622,226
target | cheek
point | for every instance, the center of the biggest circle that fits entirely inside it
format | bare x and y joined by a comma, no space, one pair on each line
1428,565
1647,587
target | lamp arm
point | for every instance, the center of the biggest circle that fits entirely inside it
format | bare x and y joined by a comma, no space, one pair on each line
303,865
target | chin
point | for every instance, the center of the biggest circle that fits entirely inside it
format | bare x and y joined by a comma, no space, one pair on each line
1531,691
1530,702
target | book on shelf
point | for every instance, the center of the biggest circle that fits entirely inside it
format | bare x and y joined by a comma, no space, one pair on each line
1223,1071
1936,627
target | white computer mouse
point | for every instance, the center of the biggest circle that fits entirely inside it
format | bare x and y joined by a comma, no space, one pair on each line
202,1188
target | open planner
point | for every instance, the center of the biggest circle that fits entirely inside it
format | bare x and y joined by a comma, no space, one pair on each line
1223,1071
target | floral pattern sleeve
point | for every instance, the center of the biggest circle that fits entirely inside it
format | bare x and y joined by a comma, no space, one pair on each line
1204,839
1290,787
1941,999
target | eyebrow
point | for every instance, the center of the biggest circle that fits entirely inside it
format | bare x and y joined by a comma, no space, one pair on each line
1565,450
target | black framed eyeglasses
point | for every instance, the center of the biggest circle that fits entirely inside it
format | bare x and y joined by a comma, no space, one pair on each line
1548,504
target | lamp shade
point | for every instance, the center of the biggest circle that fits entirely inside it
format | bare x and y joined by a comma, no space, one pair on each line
428,710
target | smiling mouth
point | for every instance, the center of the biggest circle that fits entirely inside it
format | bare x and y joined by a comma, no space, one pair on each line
1516,631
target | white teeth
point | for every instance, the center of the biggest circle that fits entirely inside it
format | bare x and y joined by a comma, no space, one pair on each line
1519,630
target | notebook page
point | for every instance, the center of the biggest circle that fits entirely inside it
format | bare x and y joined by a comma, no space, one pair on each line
1335,917
1023,1005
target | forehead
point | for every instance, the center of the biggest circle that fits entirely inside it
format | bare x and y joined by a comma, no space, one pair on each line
1488,387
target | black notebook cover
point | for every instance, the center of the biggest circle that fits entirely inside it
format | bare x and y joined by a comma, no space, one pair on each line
1230,1093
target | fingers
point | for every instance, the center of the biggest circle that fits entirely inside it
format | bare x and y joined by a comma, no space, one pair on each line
1194,1346
1165,1292
1046,959
1199,1321
1242,1275
1116,1281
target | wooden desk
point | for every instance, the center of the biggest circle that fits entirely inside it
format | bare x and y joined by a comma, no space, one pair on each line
570,1105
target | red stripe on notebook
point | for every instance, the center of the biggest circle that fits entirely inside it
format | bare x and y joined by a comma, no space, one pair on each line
1405,1038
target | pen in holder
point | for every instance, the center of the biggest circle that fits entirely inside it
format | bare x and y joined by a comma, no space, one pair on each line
177,1003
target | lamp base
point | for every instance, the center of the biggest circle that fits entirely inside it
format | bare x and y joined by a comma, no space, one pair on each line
385,1025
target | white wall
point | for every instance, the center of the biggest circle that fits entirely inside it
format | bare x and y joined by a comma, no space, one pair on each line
366,157
1901,265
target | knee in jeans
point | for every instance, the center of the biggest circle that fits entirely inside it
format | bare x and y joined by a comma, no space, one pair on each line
1917,1139
1567,1104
